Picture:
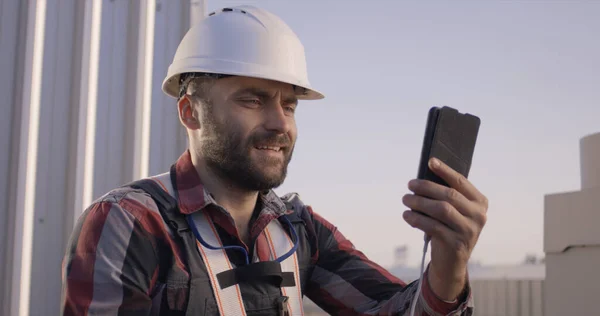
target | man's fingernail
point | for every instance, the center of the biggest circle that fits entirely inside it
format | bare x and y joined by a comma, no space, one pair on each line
409,218
435,163
412,183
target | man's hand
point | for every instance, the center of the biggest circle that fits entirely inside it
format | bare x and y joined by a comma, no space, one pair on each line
457,216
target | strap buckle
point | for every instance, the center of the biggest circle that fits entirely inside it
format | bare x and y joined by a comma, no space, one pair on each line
284,306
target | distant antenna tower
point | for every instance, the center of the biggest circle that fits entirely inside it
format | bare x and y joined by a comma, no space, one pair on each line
401,255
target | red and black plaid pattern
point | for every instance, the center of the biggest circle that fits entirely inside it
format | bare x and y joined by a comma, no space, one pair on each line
121,247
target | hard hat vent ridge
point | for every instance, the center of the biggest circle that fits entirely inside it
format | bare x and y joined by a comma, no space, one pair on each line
227,10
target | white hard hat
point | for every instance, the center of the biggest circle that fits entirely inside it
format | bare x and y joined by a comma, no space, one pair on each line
243,41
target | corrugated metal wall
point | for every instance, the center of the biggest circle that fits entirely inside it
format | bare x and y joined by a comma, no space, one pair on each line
508,297
82,112
492,298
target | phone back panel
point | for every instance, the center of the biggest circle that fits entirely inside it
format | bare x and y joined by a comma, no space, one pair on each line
450,136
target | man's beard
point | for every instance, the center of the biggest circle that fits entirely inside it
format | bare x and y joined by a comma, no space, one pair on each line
228,155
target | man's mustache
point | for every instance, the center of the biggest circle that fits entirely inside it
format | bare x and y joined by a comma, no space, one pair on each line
271,139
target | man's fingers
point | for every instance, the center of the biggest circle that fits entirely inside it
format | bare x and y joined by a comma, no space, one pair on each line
457,181
430,226
443,193
442,211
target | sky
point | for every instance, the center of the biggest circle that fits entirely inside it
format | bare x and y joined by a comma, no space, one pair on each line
529,69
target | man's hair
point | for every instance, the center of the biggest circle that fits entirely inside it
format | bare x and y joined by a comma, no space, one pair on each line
197,83
197,86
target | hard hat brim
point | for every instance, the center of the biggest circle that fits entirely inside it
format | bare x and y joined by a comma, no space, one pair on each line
171,84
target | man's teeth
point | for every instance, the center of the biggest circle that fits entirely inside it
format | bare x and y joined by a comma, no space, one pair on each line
269,147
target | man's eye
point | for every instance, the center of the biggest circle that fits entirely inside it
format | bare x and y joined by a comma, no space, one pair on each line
253,102
290,109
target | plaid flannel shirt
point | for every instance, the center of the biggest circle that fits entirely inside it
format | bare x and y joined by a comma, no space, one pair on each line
113,259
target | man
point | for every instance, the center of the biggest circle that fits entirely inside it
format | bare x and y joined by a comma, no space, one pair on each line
211,237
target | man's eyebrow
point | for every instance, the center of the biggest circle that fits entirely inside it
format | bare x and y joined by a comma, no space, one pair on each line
254,91
264,94
290,100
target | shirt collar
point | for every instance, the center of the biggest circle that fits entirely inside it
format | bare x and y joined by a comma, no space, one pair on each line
193,197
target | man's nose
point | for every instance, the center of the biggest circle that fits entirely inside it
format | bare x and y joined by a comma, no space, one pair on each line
276,120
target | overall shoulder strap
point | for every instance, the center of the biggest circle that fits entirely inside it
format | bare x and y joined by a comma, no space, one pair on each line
167,205
283,249
165,197
164,201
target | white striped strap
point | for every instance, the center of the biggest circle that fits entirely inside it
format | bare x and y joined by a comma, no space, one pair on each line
229,299
280,243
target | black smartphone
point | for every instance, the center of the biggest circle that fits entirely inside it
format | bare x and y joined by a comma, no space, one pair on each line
450,136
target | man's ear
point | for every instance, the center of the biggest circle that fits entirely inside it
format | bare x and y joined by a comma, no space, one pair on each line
188,115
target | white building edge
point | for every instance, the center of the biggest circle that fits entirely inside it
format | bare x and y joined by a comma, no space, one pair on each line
572,240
